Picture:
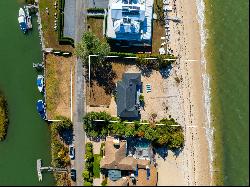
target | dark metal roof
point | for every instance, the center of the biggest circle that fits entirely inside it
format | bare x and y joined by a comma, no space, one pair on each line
127,95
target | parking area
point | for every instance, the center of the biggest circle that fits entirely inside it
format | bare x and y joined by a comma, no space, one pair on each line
98,3
69,18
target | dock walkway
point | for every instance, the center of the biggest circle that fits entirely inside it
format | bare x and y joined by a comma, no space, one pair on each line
40,169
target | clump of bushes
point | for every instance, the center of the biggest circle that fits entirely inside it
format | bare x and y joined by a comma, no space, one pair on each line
4,121
59,148
160,135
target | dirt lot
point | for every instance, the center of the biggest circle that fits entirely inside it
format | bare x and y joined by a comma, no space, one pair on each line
58,85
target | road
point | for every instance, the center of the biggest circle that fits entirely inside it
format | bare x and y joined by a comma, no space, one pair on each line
79,109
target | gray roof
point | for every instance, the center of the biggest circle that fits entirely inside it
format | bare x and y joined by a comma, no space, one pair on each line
127,95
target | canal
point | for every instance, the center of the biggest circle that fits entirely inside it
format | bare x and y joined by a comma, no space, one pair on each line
28,136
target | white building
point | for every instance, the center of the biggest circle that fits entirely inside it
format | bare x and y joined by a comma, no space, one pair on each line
130,21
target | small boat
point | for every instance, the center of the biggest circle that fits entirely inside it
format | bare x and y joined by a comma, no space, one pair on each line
40,106
22,20
40,83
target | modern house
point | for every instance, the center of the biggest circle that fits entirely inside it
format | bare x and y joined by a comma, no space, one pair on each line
129,22
124,170
128,92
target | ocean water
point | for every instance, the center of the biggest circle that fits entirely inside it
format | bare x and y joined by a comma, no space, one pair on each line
227,55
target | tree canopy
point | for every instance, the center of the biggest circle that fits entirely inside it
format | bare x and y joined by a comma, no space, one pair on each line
92,45
159,135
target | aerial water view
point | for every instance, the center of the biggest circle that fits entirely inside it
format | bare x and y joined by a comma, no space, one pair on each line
124,92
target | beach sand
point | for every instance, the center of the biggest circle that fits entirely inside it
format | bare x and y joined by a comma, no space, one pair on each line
191,167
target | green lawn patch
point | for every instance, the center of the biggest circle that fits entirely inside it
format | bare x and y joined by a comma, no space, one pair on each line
96,165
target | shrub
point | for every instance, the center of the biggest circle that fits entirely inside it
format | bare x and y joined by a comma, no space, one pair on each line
86,183
104,182
85,174
102,148
141,98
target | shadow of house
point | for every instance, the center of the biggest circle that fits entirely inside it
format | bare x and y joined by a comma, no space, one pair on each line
128,92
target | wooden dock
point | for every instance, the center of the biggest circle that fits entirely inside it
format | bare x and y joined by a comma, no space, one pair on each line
40,169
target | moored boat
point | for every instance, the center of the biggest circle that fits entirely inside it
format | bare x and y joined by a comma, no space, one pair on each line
22,20
40,106
40,83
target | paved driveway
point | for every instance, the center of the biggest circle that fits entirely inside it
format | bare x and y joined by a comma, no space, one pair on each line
69,18
98,3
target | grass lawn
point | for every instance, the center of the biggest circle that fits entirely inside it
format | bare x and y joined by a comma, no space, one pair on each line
96,165
49,34
96,26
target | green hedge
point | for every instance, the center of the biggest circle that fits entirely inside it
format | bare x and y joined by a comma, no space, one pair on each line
120,54
95,10
61,39
88,171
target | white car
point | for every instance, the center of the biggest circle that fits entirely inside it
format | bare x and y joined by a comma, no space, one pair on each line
71,152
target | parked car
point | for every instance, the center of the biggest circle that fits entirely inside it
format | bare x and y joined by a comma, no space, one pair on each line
73,174
71,152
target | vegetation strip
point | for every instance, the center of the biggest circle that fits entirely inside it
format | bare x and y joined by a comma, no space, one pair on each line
60,132
4,121
170,134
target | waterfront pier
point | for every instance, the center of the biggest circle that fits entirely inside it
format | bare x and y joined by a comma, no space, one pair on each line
40,169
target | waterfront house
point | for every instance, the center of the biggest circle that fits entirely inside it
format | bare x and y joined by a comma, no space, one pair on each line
127,170
128,92
129,22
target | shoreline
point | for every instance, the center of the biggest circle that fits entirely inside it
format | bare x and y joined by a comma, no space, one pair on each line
194,165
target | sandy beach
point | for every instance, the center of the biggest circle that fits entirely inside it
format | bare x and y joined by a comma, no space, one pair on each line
191,167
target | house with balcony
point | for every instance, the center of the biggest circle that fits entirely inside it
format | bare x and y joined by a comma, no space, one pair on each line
129,22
